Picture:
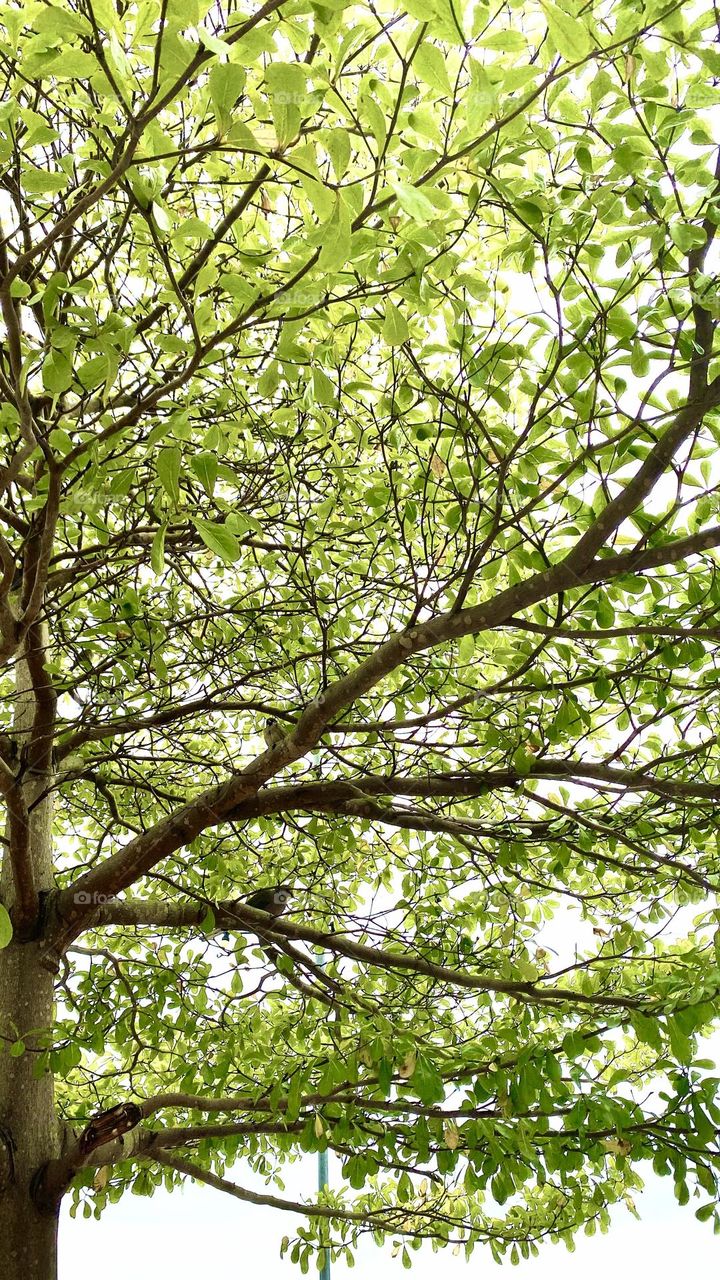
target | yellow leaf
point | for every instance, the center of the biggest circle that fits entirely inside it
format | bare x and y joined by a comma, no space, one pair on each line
407,1066
451,1135
616,1146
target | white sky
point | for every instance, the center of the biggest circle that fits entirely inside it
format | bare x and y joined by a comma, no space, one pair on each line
201,1232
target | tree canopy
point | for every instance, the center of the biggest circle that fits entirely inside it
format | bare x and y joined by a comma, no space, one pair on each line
357,371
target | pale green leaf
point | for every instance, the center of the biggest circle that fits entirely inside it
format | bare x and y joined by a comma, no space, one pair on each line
429,63
686,236
323,387
337,143
395,329
570,37
6,929
336,238
227,81
414,202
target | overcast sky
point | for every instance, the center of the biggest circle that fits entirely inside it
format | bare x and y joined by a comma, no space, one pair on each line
179,1236
199,1232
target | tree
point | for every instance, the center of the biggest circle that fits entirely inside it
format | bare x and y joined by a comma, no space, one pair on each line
357,371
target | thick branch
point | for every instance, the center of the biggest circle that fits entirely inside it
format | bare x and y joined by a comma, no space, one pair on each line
637,489
139,855
395,1218
231,914
25,898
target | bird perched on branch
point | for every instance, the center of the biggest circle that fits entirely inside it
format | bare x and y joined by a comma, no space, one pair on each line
273,733
274,899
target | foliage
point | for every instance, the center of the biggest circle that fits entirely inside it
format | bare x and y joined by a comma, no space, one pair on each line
357,371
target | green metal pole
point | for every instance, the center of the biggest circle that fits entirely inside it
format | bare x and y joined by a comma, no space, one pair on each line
322,1183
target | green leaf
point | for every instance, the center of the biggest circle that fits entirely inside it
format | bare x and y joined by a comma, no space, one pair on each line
193,229
286,81
427,1083
269,382
523,761
219,540
604,613
205,466
157,550
57,373
207,924
680,1043
639,360
238,286
6,929
505,41
482,97
337,144
57,20
41,182
466,648
161,217
385,1072
167,465
73,64
93,372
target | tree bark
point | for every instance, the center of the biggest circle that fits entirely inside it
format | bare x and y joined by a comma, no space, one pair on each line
29,1132
29,1128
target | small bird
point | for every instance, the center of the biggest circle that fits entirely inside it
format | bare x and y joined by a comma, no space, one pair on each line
273,733
273,899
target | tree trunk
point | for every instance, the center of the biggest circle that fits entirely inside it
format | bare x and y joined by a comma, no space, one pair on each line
29,1132
29,1129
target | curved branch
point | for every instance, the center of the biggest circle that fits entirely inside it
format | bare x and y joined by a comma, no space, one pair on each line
231,914
215,805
